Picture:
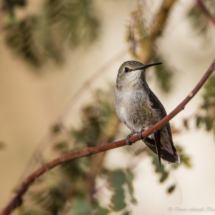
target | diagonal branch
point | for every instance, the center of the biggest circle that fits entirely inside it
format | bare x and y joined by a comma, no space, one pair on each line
155,31
17,199
202,6
59,123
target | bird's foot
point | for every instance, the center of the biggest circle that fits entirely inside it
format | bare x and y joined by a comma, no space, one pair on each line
139,134
127,139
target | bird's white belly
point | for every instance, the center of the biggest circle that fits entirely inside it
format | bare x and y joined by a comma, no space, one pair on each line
134,110
126,109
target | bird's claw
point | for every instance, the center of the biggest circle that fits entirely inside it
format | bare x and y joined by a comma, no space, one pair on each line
127,140
139,134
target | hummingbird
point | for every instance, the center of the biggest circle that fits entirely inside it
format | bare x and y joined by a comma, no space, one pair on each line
139,109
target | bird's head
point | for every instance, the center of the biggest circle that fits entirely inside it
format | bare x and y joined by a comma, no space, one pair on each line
131,75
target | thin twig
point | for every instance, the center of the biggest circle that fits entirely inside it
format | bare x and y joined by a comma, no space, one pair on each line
167,4
17,199
157,27
86,85
204,9
68,108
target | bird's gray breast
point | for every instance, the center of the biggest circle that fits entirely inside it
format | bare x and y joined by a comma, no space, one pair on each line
135,109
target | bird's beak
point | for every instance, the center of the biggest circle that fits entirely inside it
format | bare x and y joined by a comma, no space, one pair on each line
146,66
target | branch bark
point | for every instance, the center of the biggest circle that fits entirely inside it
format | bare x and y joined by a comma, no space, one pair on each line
204,9
17,199
59,123
155,32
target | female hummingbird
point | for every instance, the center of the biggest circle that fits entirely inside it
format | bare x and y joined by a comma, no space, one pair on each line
139,109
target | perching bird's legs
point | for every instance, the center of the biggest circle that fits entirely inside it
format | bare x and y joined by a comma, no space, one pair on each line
127,138
139,134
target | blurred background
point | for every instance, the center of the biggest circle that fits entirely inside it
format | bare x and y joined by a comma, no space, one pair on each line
58,65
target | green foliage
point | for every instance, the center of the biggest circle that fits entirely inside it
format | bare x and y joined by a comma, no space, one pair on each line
206,117
209,92
184,159
80,207
47,196
71,188
101,211
163,74
121,180
98,118
20,36
129,179
76,20
140,41
161,170
158,169
118,197
42,37
198,19
171,189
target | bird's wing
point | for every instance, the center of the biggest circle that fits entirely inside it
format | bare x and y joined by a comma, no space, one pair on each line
158,145
167,149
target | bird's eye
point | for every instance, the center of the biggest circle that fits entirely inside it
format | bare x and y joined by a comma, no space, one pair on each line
126,69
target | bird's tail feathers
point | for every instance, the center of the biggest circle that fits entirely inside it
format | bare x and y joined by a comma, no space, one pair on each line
164,154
